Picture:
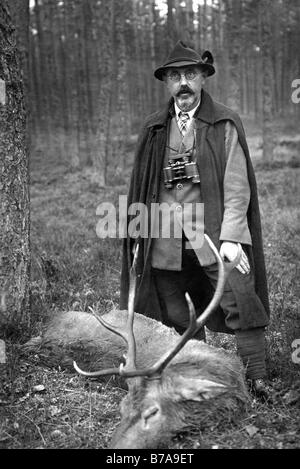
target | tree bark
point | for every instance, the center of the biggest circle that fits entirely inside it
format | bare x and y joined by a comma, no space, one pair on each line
14,193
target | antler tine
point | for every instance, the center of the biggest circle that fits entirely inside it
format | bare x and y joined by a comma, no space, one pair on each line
195,325
107,372
131,352
219,288
130,366
158,367
108,326
224,269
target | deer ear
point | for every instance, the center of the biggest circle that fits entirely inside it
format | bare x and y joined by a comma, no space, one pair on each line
194,389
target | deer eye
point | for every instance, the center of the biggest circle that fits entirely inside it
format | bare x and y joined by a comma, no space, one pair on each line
149,413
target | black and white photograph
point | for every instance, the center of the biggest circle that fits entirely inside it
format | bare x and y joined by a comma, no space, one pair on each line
149,227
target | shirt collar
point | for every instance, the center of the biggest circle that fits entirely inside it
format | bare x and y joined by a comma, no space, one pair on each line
208,111
190,113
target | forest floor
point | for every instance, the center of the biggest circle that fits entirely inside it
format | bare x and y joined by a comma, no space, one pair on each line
74,269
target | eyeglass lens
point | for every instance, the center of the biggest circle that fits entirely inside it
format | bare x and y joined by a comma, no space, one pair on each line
176,76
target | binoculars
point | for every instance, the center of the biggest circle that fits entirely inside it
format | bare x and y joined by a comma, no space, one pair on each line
180,167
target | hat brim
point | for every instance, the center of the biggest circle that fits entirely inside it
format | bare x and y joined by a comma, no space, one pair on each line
159,72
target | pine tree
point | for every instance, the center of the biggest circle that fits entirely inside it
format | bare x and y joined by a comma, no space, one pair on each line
14,194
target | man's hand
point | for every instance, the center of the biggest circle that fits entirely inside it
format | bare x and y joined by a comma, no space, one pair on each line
229,251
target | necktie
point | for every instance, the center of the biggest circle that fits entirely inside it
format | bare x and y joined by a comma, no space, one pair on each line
182,122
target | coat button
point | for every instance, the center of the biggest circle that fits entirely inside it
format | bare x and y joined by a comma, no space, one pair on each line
179,186
178,208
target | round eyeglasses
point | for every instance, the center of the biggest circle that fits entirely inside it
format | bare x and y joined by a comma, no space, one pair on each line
190,75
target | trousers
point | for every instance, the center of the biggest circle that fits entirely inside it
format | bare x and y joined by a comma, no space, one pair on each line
172,286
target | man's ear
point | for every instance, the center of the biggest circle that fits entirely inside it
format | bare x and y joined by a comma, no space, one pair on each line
198,389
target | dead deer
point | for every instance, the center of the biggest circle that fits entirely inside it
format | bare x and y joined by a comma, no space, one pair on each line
174,383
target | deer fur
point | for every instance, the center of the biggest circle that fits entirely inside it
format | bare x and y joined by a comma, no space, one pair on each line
202,385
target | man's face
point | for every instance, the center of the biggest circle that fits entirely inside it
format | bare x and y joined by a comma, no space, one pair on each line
185,85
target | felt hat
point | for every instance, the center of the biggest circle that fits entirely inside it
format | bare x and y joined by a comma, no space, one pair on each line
182,56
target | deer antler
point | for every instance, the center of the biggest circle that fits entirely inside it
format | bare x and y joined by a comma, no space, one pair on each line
155,371
128,336
196,324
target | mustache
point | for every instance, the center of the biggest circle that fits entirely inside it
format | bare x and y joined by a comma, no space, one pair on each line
184,89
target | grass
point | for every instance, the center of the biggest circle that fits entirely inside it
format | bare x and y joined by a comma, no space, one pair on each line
51,409
279,192
73,269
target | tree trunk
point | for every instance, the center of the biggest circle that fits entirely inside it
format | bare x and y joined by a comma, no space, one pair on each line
100,157
88,64
234,12
268,80
171,28
54,66
63,92
14,193
190,30
204,44
71,68
43,71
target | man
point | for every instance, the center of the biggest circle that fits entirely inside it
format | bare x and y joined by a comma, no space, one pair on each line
194,133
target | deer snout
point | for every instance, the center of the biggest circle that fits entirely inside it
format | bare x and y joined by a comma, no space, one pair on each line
142,431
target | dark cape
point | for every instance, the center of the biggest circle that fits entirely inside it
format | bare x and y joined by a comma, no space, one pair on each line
250,291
